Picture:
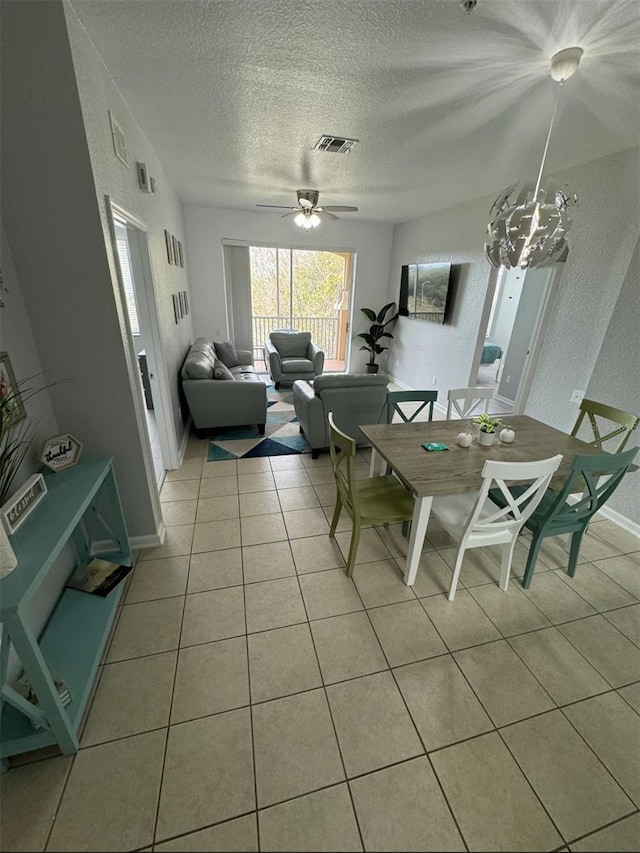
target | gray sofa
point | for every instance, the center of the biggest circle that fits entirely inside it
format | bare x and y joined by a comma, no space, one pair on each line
291,355
354,398
212,402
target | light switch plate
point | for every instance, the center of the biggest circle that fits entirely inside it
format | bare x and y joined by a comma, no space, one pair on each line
577,396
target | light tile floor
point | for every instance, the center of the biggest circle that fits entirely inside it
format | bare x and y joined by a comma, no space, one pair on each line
255,698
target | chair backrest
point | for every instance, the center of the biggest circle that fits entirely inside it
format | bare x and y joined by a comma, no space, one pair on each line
586,476
291,344
354,399
592,410
343,452
465,400
394,398
518,507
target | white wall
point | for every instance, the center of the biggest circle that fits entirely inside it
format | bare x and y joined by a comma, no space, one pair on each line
207,228
603,237
616,378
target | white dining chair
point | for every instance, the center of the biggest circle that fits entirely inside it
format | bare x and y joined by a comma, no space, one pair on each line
465,400
476,521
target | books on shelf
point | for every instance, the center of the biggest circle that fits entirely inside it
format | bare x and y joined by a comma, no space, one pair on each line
98,577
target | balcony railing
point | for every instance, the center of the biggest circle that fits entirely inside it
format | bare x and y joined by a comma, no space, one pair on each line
324,332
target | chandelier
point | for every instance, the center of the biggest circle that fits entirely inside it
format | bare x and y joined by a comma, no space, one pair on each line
528,225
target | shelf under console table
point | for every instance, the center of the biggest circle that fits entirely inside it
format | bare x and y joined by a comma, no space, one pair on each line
82,506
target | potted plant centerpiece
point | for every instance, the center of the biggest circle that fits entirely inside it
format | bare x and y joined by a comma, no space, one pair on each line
487,428
377,331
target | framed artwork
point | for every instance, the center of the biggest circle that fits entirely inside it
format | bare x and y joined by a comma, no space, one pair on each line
169,245
22,502
176,307
10,400
186,302
182,305
176,256
180,255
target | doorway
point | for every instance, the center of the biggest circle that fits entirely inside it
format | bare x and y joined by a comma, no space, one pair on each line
132,253
507,346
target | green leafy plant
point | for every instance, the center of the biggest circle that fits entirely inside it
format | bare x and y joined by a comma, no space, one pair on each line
487,423
16,432
377,331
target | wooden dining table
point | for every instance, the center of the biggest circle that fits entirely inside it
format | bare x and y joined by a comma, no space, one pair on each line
458,469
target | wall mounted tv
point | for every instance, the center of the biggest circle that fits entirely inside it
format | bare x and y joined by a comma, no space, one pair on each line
425,291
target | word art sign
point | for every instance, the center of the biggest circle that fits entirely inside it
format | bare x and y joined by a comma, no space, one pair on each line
24,501
60,452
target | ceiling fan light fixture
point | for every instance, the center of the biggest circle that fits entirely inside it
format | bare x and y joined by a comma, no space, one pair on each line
528,225
307,220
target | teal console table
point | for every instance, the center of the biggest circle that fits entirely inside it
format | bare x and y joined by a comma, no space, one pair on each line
82,506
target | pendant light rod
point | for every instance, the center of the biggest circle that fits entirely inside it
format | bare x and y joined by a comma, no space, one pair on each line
546,147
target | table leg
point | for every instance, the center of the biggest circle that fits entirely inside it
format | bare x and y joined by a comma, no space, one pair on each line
419,521
376,464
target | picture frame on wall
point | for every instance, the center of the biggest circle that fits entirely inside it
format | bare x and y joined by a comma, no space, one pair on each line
13,407
180,255
176,307
176,256
169,245
181,300
186,302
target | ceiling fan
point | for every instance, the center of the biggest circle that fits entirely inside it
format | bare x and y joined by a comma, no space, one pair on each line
307,213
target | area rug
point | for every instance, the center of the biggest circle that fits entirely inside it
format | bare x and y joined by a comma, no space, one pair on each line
282,433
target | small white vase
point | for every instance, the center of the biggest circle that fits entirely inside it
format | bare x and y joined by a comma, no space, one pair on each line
8,559
507,435
486,438
464,439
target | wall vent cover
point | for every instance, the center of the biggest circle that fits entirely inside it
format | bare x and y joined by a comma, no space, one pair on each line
119,141
335,144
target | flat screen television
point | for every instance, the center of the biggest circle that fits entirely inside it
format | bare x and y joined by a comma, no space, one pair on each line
425,290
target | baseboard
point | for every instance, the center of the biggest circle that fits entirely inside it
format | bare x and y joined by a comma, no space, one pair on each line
185,440
151,540
621,520
397,381
616,517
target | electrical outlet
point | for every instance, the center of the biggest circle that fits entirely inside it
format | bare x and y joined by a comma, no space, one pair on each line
397,364
434,381
508,379
577,396
217,334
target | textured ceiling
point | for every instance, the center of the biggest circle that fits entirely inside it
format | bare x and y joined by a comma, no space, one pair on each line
233,94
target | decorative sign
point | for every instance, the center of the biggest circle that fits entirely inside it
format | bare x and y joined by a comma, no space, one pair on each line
19,505
60,452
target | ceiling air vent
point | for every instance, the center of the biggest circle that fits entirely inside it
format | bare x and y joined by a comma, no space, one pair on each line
335,144
119,141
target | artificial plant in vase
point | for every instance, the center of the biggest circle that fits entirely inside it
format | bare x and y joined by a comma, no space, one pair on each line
487,424
377,331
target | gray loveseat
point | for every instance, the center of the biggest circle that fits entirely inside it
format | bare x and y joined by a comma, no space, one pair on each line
354,398
212,402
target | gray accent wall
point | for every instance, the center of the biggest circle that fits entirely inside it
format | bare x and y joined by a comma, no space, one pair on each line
54,227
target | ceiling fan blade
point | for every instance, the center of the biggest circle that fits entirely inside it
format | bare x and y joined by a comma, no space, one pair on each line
322,212
278,206
291,213
341,208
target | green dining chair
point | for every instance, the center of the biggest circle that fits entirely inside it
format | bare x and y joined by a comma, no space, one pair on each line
600,476
592,410
394,398
375,500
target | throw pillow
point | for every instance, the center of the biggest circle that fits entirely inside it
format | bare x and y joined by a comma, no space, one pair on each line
221,371
226,352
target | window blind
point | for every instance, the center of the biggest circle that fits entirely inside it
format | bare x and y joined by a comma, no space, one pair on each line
127,278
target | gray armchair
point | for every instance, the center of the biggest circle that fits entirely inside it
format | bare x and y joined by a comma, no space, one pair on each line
291,355
354,399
